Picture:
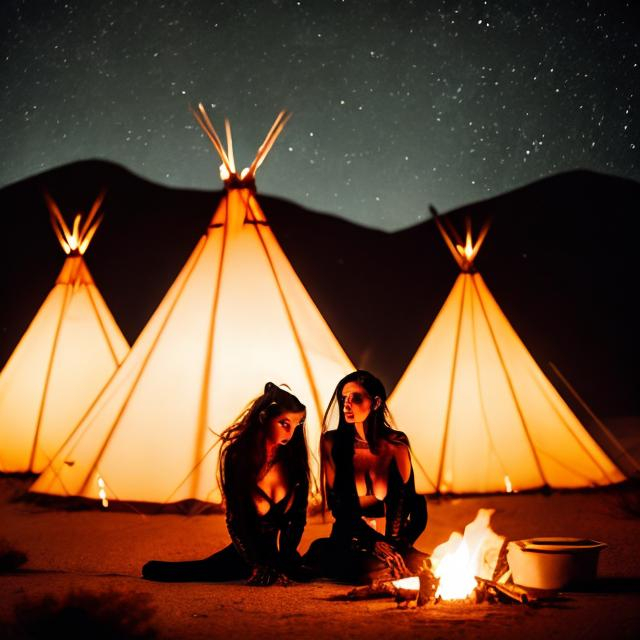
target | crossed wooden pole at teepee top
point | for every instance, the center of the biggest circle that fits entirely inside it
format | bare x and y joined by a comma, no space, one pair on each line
227,157
76,240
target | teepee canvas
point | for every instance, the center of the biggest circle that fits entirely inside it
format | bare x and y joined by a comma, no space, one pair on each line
68,353
236,317
480,414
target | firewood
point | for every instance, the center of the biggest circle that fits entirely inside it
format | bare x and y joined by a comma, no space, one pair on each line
428,587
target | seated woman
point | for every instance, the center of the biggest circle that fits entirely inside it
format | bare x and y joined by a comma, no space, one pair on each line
367,474
263,472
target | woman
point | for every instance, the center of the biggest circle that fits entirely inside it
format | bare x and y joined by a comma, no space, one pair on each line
367,474
263,472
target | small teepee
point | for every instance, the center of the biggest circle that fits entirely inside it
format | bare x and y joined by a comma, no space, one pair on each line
480,414
236,317
70,350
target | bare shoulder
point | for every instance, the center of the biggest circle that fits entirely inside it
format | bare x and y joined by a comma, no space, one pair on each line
399,444
398,438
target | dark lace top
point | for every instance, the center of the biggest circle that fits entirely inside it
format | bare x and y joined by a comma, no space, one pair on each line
271,539
404,509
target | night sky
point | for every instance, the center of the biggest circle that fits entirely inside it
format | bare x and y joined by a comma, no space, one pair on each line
396,104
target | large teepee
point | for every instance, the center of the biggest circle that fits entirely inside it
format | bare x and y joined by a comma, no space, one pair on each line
68,353
480,414
236,317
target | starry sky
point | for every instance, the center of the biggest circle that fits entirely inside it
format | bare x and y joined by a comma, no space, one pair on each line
396,104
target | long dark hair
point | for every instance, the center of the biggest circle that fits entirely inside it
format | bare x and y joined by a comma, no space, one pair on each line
378,427
243,450
379,419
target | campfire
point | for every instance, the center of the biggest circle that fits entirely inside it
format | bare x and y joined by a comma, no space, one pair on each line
469,567
457,562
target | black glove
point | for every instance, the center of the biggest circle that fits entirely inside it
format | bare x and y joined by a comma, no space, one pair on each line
394,561
265,576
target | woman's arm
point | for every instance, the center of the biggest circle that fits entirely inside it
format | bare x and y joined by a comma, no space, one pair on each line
403,461
328,463
293,527
406,511
342,499
255,545
242,527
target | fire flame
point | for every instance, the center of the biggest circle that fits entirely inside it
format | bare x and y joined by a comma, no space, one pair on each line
458,561
409,584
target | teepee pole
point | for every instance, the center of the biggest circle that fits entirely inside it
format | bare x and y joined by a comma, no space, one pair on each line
54,348
57,215
296,334
276,129
480,240
206,125
90,216
94,306
601,425
204,393
454,366
447,239
572,433
451,228
227,129
84,242
483,409
511,387
133,385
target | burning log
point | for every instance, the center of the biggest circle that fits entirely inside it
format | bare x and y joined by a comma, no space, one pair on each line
493,591
404,590
377,589
428,587
472,568
457,561
502,566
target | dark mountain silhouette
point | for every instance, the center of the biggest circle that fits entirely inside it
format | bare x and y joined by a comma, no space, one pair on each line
559,259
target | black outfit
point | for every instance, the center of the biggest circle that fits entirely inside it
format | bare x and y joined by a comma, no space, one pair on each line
255,543
348,555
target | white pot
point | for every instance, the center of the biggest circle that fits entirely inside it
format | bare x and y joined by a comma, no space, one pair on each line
553,563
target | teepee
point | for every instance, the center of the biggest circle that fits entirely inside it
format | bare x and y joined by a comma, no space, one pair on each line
68,353
480,414
236,317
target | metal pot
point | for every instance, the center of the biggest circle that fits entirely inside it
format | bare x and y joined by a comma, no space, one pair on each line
553,563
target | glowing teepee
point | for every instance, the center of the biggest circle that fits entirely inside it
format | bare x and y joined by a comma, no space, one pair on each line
480,414
236,317
66,356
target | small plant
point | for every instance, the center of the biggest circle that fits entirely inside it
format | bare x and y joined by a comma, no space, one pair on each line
83,614
10,558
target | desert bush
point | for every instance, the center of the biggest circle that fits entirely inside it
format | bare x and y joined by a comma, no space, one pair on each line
83,614
10,558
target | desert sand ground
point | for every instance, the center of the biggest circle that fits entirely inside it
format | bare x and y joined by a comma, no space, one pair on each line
102,552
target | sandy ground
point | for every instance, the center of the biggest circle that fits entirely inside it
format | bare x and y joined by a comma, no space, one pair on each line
103,551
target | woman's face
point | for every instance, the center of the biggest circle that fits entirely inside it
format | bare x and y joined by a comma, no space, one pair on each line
356,402
280,428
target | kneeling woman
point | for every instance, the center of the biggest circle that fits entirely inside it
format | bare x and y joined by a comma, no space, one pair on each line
367,472
263,472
